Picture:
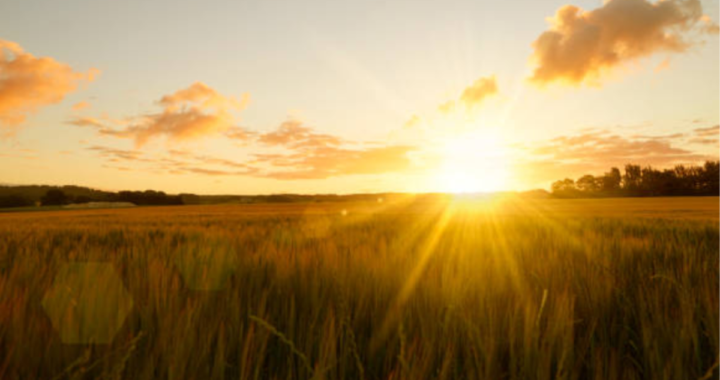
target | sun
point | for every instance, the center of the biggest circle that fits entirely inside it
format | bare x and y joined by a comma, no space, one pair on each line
473,162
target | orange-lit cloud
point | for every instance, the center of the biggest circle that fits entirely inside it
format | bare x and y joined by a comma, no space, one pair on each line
175,162
294,135
705,141
594,152
709,26
80,106
481,89
316,156
713,131
472,96
581,45
28,83
304,154
188,114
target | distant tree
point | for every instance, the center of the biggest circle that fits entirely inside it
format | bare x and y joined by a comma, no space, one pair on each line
82,199
7,201
610,182
710,177
632,179
190,199
588,184
564,188
54,197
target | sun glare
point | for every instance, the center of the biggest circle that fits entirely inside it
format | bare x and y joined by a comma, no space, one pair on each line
473,162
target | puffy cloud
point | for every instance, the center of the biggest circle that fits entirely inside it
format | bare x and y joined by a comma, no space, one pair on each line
472,96
188,114
28,83
582,45
481,89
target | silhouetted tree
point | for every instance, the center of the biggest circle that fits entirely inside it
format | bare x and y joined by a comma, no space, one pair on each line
564,188
588,184
632,179
54,197
611,181
7,201
646,182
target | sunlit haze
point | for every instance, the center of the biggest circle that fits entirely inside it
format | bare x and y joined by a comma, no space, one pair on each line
260,97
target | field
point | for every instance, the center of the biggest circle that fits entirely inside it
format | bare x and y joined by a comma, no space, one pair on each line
402,289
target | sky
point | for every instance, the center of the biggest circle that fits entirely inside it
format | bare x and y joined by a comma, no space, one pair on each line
260,97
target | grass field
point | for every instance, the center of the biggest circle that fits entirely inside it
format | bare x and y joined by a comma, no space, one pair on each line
505,289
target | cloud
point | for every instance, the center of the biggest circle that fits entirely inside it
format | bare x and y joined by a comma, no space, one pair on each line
294,135
303,154
709,26
481,89
189,114
316,156
704,141
472,96
175,162
708,132
28,83
80,106
104,125
595,151
581,45
604,148
238,133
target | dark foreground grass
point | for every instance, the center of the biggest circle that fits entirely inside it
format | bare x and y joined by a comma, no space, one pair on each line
446,290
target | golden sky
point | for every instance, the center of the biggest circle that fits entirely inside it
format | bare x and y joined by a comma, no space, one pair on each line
258,97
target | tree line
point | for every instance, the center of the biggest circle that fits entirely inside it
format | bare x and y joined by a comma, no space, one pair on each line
637,181
27,196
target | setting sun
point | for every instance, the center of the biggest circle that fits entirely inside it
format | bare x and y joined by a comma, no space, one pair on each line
474,162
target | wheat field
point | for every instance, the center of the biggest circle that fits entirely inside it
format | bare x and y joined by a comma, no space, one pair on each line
411,288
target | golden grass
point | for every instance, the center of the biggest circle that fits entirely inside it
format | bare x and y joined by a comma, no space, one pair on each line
505,289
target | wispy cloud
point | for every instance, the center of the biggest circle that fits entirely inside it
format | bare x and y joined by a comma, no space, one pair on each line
593,152
315,155
301,153
294,135
80,106
713,131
